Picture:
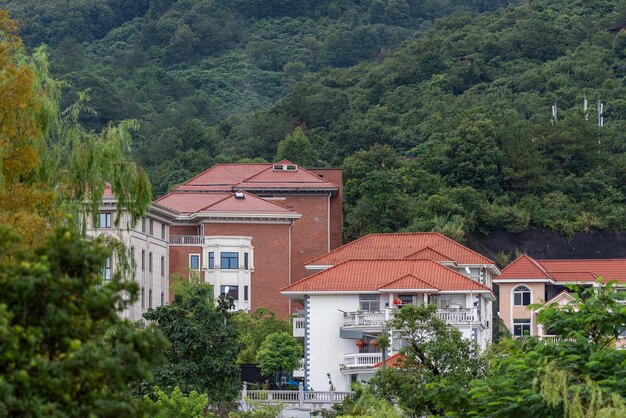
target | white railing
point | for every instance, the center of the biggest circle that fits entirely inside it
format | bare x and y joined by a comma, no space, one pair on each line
458,316
367,318
361,360
379,318
298,327
310,399
186,239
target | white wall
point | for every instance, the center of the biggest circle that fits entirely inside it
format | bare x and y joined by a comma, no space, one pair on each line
327,349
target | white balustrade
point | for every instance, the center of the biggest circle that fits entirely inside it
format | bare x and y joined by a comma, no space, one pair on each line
361,360
186,240
366,319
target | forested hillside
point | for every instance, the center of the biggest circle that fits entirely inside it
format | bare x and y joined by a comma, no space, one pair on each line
440,121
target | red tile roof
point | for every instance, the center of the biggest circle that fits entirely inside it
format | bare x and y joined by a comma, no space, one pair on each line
402,245
374,275
189,202
408,282
564,271
230,177
396,360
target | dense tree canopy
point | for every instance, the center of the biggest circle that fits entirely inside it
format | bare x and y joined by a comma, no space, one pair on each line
460,91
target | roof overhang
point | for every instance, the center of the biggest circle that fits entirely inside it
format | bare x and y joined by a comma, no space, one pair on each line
317,266
524,281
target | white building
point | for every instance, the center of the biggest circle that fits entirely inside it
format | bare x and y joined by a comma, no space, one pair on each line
147,242
357,288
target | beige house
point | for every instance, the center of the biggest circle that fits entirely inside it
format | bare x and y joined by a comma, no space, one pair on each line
528,281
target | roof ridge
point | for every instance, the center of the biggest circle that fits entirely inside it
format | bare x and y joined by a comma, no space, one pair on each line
428,247
565,260
538,264
469,249
411,275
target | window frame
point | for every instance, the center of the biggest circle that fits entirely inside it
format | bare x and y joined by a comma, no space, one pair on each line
522,323
107,220
230,287
191,258
229,260
106,270
211,259
367,301
523,292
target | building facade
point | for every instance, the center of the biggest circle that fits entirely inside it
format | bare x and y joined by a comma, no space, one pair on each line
357,288
147,245
248,229
529,281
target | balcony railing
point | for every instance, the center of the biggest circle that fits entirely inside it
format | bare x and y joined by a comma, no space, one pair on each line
186,240
361,360
376,319
298,327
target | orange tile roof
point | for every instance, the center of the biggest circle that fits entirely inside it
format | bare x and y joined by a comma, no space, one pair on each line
429,253
188,202
396,360
402,245
564,271
230,177
526,267
408,282
374,275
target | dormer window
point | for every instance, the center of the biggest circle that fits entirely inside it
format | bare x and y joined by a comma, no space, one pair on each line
285,167
240,195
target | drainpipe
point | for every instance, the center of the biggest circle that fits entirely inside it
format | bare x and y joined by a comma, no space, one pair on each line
329,195
290,225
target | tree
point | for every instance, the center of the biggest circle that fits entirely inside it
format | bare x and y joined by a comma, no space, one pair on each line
435,367
581,375
297,148
179,405
204,347
280,352
64,351
253,328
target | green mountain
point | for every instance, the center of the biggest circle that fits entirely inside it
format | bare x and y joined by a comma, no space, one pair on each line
440,111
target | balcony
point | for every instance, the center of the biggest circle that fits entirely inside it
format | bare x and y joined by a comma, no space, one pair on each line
361,360
186,240
377,319
298,327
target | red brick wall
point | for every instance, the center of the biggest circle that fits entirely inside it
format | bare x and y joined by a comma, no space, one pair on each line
334,175
271,262
309,235
179,262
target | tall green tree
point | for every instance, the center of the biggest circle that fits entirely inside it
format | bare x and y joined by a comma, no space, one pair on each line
204,345
581,375
280,352
253,328
64,351
435,367
297,148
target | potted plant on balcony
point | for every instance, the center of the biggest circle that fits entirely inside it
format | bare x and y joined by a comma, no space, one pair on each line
360,344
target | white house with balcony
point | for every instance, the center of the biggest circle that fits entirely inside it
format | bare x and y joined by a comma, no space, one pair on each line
358,287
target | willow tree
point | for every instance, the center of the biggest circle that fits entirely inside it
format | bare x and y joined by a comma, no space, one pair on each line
51,166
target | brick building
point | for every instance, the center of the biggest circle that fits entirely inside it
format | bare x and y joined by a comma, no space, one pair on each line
248,229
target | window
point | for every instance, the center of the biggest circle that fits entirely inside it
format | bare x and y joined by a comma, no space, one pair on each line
150,299
162,298
151,227
229,260
229,291
106,270
162,266
150,262
103,220
406,299
448,301
245,293
143,260
245,261
521,296
143,298
143,225
521,327
162,231
369,302
194,262
132,254
211,260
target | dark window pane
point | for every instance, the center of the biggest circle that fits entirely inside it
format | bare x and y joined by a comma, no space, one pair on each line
229,260
229,291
